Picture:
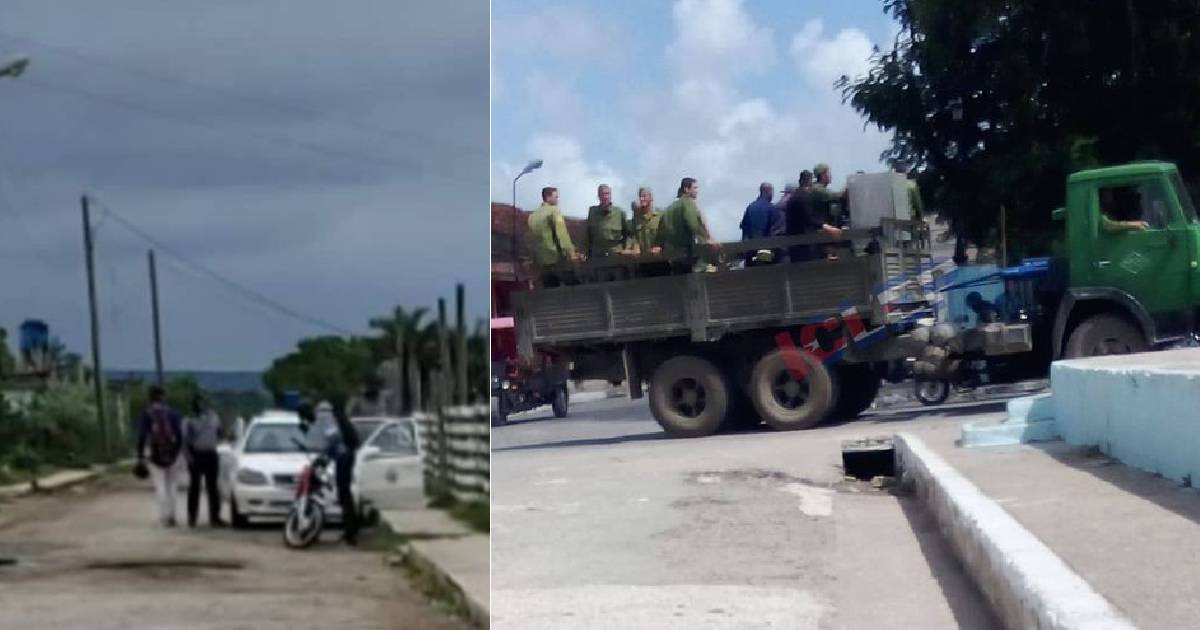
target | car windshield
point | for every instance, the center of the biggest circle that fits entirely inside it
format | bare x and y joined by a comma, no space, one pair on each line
365,428
274,438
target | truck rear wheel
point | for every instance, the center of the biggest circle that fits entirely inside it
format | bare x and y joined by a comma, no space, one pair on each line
1104,334
858,385
689,396
786,402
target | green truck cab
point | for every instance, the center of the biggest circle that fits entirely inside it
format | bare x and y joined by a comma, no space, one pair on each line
1132,261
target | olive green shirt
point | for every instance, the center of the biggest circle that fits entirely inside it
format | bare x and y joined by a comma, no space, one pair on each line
608,231
548,236
680,228
645,229
825,202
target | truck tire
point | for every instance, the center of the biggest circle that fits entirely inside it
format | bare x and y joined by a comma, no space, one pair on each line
785,403
689,396
561,402
1104,334
858,385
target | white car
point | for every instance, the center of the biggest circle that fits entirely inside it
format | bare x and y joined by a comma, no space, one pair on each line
259,471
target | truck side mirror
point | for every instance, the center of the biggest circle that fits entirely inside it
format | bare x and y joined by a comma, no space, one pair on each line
1058,214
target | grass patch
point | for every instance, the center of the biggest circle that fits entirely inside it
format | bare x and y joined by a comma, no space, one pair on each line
474,514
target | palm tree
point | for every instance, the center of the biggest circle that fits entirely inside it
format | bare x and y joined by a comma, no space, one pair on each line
399,340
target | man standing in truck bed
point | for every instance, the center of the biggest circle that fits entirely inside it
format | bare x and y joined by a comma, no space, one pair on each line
682,229
608,228
549,239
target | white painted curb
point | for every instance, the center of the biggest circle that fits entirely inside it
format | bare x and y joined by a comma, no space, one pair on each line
1027,585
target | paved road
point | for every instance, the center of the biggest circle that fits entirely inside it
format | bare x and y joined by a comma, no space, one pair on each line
601,522
59,540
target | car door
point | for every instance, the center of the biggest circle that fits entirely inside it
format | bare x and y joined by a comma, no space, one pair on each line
389,471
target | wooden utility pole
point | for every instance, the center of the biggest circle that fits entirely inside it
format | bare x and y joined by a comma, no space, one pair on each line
1003,237
98,369
158,360
461,380
400,367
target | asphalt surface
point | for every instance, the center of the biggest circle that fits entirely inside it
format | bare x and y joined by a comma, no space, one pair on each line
95,558
600,521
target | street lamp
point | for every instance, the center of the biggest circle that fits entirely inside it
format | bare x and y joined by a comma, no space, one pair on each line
13,68
532,166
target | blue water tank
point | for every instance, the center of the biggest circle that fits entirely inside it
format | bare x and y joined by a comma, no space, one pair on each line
291,400
35,335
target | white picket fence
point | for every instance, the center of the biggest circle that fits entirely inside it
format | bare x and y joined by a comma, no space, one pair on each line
457,452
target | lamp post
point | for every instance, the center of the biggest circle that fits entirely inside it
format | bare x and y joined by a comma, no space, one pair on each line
532,166
13,68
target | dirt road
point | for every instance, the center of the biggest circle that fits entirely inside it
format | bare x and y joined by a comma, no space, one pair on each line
95,558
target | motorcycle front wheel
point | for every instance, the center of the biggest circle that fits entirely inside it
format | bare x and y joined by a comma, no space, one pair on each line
304,524
932,392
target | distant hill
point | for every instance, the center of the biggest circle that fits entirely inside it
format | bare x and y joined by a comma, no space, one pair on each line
212,381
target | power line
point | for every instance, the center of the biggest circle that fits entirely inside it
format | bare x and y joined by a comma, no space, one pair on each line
236,287
92,59
377,161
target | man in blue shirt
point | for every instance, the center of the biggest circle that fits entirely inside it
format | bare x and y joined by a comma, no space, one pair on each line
761,220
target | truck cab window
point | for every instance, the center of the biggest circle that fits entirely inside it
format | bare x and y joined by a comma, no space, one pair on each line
1145,202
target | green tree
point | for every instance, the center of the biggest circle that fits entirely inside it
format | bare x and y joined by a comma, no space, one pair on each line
329,368
998,100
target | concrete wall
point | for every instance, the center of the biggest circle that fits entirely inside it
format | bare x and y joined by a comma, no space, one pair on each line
1141,409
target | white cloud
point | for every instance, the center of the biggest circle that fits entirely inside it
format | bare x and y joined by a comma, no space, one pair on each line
568,34
556,100
565,167
822,61
496,87
719,37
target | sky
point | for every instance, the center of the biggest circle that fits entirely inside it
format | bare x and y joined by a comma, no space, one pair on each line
329,157
633,93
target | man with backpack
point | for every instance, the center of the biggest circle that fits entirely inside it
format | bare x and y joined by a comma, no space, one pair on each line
160,438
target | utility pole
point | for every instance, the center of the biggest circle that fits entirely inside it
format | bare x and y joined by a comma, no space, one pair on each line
461,380
98,375
158,361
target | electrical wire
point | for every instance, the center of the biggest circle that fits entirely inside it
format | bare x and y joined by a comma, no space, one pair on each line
237,288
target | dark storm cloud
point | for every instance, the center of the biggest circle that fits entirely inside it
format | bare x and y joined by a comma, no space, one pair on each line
325,154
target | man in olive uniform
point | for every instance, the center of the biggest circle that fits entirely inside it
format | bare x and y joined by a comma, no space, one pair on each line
682,228
549,239
826,202
646,221
608,228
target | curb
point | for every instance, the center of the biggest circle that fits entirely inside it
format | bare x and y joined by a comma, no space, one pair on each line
48,484
1029,419
1027,585
476,613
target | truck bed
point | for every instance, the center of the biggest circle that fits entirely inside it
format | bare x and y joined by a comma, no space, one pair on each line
705,306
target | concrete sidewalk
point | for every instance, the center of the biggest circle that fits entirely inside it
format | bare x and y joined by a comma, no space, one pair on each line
451,552
1132,536
56,481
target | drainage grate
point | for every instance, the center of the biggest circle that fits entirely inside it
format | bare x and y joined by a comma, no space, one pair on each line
869,458
7,562
165,563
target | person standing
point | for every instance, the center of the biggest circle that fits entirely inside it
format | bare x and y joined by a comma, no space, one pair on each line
762,220
335,437
646,222
549,240
608,228
201,434
682,228
159,438
805,216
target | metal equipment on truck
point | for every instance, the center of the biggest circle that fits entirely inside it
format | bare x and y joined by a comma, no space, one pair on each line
792,343
520,383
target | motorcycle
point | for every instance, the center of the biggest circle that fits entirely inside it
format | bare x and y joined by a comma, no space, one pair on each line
315,490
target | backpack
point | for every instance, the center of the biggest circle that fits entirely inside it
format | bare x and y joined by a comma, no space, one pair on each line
164,442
